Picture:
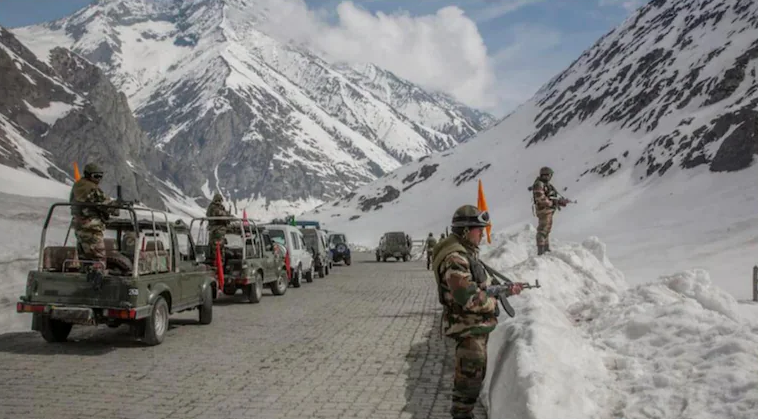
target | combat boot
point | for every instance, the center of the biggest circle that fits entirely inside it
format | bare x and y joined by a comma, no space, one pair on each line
547,247
540,249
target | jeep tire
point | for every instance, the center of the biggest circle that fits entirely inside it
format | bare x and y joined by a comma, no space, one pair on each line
156,325
53,330
254,290
206,308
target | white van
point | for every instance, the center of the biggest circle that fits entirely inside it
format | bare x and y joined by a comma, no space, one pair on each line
301,259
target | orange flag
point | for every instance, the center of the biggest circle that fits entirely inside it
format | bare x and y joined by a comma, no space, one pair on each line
481,203
77,176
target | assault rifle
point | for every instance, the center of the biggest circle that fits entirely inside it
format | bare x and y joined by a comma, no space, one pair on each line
502,281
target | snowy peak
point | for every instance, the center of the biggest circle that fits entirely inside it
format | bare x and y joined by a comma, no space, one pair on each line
669,63
264,122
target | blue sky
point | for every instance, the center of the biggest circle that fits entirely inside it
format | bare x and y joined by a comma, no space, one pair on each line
525,42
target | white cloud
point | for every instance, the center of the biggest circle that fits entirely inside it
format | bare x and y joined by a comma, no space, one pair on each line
442,51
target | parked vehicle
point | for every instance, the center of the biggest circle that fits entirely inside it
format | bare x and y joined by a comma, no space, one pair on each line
249,260
339,248
151,272
395,244
301,260
315,241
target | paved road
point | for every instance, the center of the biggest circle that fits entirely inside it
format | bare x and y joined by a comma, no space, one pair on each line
361,343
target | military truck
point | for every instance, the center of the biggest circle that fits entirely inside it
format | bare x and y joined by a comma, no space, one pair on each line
150,273
395,244
249,260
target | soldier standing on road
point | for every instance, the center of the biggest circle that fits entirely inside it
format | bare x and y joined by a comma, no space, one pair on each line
89,222
546,201
470,312
217,228
429,245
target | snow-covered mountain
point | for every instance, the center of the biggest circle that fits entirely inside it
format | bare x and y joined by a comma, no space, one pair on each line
652,130
56,113
269,124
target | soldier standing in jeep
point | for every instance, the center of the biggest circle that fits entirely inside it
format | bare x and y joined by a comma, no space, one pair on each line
89,222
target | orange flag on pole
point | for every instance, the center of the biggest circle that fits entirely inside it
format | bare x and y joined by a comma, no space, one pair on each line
481,203
77,176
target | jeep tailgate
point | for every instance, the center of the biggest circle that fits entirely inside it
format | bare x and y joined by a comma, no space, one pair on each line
74,289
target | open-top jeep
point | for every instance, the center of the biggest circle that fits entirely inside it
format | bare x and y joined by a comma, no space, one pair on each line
248,256
395,244
150,273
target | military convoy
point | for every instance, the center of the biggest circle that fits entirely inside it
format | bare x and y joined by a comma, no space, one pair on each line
396,245
155,268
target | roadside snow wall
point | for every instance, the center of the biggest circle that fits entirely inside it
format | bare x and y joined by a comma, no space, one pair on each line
587,346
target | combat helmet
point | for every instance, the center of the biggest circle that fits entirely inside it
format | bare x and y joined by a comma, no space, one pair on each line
217,197
91,169
546,171
431,235
470,216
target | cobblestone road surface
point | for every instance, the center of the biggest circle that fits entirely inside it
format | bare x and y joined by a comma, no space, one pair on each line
361,343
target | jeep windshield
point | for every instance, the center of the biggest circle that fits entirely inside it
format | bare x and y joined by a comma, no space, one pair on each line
310,237
277,236
396,238
338,239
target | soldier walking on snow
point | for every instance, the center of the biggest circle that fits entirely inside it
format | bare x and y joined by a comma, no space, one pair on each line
546,201
429,246
89,221
470,309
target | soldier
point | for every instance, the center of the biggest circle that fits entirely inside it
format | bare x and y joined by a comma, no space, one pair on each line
429,245
217,228
546,201
471,311
89,222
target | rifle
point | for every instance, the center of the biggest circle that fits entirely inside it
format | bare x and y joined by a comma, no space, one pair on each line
501,280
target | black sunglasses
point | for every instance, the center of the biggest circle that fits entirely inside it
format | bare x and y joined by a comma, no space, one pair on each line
97,176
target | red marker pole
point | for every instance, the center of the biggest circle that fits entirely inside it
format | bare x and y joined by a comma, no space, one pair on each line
219,267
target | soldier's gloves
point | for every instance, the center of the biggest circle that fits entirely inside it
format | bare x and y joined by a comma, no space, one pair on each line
563,202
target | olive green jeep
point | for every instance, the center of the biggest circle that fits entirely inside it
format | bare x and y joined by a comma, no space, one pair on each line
395,244
248,256
150,273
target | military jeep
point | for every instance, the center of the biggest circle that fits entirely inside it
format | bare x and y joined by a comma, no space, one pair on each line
339,248
316,241
248,256
150,273
395,244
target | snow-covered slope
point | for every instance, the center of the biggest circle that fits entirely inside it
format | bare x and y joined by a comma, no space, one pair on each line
652,130
676,347
269,124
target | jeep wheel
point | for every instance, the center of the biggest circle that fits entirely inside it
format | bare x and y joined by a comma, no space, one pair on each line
347,261
309,274
254,290
296,277
327,269
322,271
156,325
215,290
54,330
206,308
405,258
279,287
378,258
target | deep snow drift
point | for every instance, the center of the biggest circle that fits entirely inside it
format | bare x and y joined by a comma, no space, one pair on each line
587,345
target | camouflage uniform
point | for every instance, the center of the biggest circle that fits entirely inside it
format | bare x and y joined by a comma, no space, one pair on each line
470,313
430,243
89,222
217,228
545,204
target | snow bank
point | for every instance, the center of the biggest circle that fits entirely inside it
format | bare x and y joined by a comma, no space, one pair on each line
586,345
